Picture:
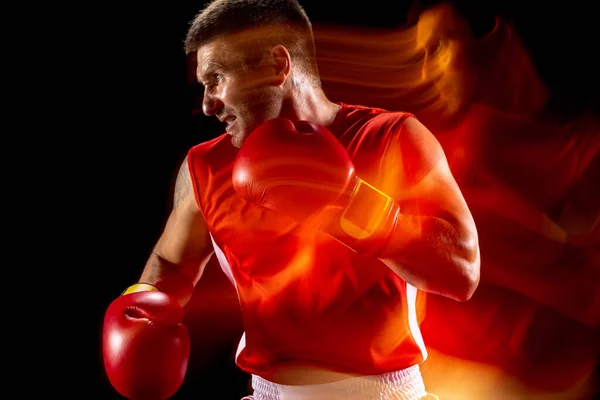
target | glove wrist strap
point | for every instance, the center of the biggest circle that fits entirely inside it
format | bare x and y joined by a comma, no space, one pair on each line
368,219
140,287
366,211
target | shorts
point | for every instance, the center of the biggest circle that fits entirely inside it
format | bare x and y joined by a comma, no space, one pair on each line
406,384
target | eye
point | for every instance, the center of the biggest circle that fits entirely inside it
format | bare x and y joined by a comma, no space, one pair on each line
213,81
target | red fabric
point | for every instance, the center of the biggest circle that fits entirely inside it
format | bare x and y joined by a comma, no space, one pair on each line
304,296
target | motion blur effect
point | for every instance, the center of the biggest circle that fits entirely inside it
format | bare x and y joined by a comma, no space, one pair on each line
529,174
531,177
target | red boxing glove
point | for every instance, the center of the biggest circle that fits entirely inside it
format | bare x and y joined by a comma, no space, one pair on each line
146,347
300,169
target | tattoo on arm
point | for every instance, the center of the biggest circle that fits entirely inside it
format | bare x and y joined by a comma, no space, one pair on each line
182,184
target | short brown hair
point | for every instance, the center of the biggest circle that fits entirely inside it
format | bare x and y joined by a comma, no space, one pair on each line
288,20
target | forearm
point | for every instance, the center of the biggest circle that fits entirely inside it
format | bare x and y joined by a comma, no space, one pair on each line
184,247
432,254
433,250
175,280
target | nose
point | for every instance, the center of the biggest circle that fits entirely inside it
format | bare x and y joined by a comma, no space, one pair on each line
211,104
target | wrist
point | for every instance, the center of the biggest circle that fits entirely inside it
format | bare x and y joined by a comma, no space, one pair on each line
367,219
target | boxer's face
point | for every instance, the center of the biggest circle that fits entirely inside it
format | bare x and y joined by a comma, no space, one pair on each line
243,97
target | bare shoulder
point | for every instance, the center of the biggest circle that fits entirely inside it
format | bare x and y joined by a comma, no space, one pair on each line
414,127
419,150
418,140
403,127
183,184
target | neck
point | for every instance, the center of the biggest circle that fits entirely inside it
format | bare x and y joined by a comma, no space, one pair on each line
310,104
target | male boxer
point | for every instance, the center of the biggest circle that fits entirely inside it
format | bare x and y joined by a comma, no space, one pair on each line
331,220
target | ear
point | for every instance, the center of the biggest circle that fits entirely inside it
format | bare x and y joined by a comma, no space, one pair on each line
283,64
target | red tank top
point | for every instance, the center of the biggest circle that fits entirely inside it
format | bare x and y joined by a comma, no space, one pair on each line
305,298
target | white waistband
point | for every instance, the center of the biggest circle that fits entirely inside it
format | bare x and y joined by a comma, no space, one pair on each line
406,384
